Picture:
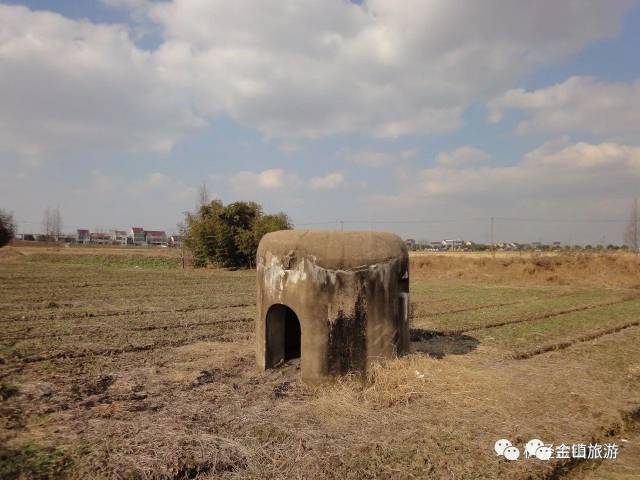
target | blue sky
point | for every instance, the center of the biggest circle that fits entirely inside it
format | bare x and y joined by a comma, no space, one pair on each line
422,118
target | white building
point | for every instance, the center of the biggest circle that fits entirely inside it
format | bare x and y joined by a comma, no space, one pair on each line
118,237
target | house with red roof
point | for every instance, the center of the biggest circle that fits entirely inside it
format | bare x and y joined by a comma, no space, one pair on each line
100,238
83,236
137,236
155,237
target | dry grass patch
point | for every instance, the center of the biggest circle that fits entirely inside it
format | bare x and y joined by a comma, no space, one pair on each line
619,269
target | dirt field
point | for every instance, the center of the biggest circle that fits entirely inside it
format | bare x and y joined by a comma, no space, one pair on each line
120,365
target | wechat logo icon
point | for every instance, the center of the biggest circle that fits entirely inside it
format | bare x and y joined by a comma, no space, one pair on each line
504,448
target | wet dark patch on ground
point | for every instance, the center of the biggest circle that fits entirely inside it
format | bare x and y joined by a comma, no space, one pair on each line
437,344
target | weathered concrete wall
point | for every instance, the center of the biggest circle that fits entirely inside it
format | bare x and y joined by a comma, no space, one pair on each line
349,290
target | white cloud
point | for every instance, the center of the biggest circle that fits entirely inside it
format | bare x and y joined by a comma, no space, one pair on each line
288,147
273,179
277,179
462,156
296,69
156,185
376,159
557,170
69,84
385,68
581,104
101,184
157,179
174,189
330,181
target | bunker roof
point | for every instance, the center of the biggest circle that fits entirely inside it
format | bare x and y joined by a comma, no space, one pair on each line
335,250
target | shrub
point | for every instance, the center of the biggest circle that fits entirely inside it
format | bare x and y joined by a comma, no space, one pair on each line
228,236
7,228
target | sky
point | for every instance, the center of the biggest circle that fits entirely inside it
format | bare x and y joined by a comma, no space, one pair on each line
424,118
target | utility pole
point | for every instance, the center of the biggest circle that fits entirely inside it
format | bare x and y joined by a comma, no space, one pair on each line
342,225
493,249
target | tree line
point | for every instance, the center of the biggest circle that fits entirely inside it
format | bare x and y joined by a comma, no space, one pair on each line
228,236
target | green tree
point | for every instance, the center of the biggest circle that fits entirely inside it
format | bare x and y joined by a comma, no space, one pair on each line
228,236
7,228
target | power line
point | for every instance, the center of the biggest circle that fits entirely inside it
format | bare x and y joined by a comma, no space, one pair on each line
561,220
368,222
466,220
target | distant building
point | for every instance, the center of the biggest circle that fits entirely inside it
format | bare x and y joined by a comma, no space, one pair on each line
137,236
155,237
456,244
83,236
118,237
67,238
435,246
100,238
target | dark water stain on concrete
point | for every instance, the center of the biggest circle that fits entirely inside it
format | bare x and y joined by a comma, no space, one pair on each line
348,340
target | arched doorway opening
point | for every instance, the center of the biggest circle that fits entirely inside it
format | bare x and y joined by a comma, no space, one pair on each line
283,335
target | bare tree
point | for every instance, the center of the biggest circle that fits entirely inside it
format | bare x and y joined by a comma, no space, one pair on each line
203,195
183,231
632,234
57,223
52,224
47,222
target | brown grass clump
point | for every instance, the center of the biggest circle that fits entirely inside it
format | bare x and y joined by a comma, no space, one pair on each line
386,385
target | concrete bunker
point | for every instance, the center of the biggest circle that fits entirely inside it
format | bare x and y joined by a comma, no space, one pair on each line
337,300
